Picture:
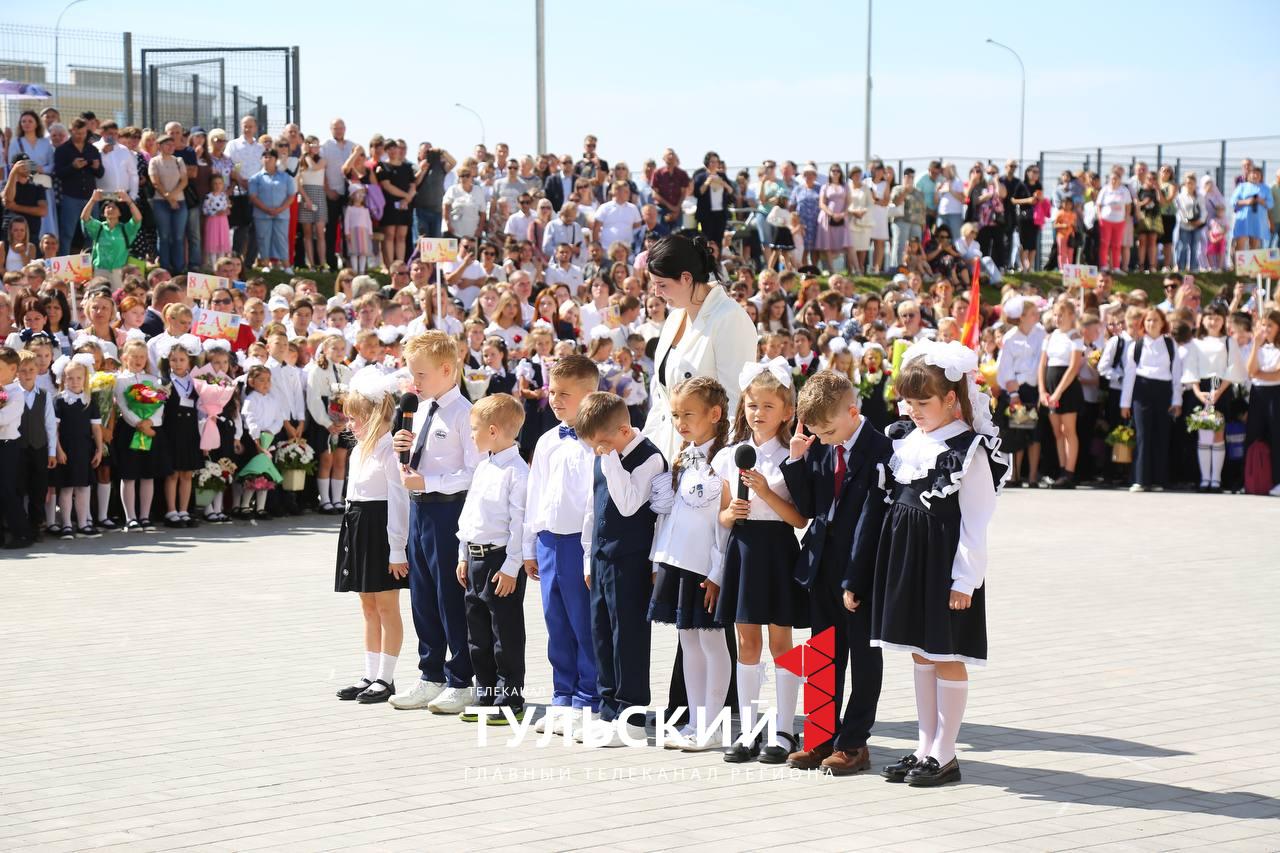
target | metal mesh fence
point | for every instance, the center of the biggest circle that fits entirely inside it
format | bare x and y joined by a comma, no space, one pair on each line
147,80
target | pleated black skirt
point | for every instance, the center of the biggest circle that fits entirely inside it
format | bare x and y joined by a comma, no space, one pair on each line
363,552
679,599
1072,400
759,577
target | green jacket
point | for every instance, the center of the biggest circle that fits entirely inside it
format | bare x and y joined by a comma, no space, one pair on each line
111,245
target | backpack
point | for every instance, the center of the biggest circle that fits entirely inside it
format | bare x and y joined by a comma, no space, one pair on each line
1137,350
1257,469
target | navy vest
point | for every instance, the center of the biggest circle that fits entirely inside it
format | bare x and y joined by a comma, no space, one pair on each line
617,535
31,427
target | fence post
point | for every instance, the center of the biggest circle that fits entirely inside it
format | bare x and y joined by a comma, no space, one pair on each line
128,78
1159,157
1100,163
235,108
297,86
261,112
1177,169
195,99
1040,242
1222,164
154,95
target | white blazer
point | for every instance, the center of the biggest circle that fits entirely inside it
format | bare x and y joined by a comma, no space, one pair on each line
716,343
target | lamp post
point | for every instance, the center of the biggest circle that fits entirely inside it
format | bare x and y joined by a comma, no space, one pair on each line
866,140
1022,117
541,75
56,27
478,118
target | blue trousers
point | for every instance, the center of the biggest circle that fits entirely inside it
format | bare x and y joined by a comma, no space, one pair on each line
439,612
171,229
620,590
69,233
273,242
567,608
1153,430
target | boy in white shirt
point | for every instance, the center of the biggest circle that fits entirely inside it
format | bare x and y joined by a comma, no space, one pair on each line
490,542
11,412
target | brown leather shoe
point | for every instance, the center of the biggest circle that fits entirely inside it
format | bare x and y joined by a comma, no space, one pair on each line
847,762
810,759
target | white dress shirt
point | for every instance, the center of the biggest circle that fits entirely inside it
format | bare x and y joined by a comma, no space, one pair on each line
123,380
1268,361
119,171
1107,366
449,459
572,276
1019,358
376,477
1154,364
1212,358
262,413
335,153
287,388
247,157
450,325
1060,346
691,537
769,459
494,510
560,480
628,492
919,452
11,412
617,222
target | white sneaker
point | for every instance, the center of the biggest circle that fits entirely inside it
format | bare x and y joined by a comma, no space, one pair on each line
419,697
452,700
636,733
574,726
680,741
599,730
552,719
1137,487
1275,491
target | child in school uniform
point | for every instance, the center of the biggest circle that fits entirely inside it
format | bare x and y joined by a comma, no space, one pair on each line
836,483
37,442
264,415
617,536
1263,366
217,361
1153,394
501,380
137,469
490,568
559,489
442,461
531,376
759,586
688,548
12,409
326,377
287,384
372,554
79,446
929,598
179,444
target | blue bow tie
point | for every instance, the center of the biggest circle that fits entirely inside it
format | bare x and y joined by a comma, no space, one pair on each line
567,432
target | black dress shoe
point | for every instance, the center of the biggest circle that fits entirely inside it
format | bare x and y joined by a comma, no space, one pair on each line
372,697
346,694
897,772
173,522
190,522
778,754
742,753
930,775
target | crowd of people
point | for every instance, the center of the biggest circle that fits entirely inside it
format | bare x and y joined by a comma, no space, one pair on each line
565,403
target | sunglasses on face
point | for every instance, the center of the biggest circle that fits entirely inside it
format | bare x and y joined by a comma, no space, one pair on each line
220,301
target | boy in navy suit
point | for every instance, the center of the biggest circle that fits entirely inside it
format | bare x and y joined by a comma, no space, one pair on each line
617,537
837,484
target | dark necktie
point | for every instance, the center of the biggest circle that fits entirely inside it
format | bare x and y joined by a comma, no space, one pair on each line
567,432
839,484
421,443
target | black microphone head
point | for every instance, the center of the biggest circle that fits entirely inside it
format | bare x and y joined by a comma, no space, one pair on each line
409,403
745,456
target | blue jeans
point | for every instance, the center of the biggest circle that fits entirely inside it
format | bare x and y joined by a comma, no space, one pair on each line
1186,249
426,223
69,209
171,228
953,221
273,236
902,234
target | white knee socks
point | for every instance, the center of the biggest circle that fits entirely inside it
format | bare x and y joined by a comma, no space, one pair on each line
81,497
371,662
952,697
1204,453
787,685
749,677
719,671
128,494
695,674
387,668
335,491
261,498
1217,457
322,488
926,708
104,500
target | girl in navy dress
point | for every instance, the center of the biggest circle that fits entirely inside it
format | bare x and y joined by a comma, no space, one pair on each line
137,469
217,359
928,596
687,547
180,437
531,374
760,558
79,446
501,380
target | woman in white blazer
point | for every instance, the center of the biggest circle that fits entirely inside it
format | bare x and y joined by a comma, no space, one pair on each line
706,332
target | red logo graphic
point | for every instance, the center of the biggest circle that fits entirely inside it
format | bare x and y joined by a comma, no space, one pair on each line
813,661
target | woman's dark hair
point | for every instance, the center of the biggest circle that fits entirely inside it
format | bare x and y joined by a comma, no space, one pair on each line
1217,309
706,159
34,115
676,254
50,296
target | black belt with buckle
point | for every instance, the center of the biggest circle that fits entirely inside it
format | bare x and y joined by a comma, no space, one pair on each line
436,497
481,551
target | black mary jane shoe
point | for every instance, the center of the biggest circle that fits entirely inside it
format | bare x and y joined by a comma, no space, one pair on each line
188,521
346,694
778,754
741,753
930,775
174,522
262,515
897,771
373,697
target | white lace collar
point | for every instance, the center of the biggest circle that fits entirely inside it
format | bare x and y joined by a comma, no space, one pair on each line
917,454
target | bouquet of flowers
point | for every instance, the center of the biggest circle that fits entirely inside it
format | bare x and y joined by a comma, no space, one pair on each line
1094,356
1205,418
1122,435
335,410
868,381
295,455
215,475
102,388
144,400
1022,417
477,383
260,483
214,390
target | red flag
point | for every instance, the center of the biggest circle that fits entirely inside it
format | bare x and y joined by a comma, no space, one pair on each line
973,320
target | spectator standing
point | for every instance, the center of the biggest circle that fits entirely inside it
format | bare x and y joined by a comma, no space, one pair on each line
912,214
714,195
271,193
670,185
245,153
31,141
78,166
464,205
169,179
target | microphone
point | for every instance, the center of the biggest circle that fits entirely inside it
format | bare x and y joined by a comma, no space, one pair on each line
408,405
744,457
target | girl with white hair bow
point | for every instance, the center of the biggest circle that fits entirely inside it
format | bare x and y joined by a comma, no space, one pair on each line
79,445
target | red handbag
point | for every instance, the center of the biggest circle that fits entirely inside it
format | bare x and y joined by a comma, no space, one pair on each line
1257,469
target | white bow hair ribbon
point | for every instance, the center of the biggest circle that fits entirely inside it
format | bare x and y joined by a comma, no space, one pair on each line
212,344
954,358
779,367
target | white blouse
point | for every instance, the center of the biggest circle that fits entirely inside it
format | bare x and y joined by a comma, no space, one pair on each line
769,459
1155,365
1268,360
262,413
1061,345
1211,358
376,477
1019,357
320,385
690,537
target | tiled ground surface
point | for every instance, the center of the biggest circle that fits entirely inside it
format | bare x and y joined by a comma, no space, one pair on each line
176,692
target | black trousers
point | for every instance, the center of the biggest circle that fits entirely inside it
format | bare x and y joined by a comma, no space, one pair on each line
1086,462
1264,423
334,207
712,225
1153,428
33,482
495,632
11,511
853,653
620,631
